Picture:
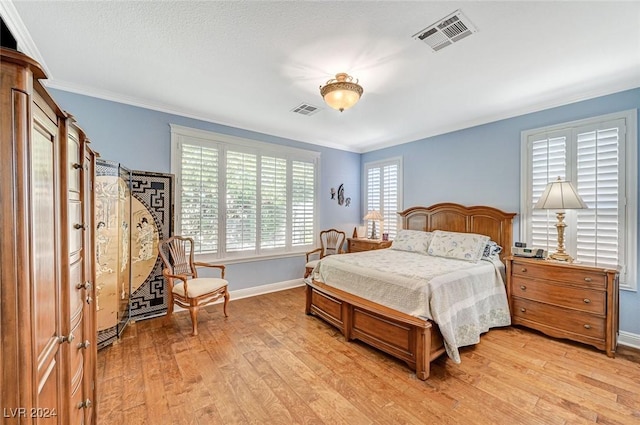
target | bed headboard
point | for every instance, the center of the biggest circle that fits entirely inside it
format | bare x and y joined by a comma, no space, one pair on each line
483,220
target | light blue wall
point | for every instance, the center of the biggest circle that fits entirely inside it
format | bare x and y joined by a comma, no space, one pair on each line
140,139
481,166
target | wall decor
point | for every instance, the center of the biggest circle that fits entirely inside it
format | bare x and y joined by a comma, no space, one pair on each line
340,196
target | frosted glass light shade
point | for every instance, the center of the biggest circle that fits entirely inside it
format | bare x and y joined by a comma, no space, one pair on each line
341,93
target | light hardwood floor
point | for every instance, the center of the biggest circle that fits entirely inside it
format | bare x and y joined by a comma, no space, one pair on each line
269,363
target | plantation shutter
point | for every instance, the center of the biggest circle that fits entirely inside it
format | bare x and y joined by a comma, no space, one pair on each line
273,202
383,193
374,191
548,153
390,199
243,198
599,184
598,156
241,217
199,195
303,202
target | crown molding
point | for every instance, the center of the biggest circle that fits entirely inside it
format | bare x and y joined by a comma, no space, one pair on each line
20,32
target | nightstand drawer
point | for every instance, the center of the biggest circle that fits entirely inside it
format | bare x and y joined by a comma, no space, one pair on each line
359,245
356,245
557,317
547,271
588,300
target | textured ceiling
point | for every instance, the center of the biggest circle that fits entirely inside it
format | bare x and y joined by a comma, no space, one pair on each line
248,64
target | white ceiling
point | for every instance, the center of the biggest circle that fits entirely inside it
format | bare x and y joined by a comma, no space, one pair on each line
248,64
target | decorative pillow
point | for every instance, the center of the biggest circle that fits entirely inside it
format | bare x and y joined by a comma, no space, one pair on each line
412,240
491,249
462,246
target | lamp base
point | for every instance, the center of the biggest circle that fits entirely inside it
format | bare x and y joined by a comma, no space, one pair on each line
561,256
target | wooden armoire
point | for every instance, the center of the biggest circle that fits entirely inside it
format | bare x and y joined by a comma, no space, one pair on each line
47,310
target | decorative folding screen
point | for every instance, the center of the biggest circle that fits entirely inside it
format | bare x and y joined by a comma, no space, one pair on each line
151,221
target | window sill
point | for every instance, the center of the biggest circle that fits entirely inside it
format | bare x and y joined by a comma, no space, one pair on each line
214,259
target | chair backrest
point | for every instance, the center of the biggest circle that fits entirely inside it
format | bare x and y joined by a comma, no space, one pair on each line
177,255
332,242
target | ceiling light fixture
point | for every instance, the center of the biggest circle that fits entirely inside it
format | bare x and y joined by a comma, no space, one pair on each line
341,93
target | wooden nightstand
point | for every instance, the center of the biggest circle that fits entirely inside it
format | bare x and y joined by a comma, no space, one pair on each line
572,301
359,245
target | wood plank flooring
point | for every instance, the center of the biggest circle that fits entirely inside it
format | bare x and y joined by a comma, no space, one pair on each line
269,363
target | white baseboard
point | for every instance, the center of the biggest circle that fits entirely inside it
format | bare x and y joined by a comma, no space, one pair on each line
629,339
624,338
255,291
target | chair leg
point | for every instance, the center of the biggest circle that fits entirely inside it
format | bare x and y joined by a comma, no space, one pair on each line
169,309
307,272
226,301
194,319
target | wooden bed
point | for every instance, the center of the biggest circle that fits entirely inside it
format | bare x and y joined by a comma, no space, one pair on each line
414,340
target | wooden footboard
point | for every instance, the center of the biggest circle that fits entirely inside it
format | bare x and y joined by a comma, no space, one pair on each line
405,337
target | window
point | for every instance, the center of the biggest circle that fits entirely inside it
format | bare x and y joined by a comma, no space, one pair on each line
598,156
241,198
383,192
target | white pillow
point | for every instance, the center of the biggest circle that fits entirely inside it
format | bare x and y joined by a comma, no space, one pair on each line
462,246
412,241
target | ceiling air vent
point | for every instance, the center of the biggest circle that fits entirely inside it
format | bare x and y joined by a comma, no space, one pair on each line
447,31
305,109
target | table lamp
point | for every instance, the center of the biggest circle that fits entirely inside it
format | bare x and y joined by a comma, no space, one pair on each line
560,195
373,216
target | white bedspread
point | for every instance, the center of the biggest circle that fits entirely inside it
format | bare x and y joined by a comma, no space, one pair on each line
465,299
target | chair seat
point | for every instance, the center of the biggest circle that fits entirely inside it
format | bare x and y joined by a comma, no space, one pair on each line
199,286
312,264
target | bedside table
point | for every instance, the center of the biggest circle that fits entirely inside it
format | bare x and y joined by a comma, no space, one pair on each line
565,300
362,244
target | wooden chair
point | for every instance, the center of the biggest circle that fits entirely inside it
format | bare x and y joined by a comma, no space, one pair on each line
186,289
331,242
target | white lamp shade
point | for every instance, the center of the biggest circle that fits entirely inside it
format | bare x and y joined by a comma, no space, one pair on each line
373,215
560,195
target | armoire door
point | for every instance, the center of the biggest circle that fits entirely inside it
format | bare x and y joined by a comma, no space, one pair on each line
79,281
45,235
90,329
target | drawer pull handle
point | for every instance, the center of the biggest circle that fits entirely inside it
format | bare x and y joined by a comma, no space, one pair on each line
524,288
523,309
587,326
76,166
524,270
79,226
586,300
85,344
587,279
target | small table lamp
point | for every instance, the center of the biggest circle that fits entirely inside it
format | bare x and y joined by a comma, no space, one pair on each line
560,195
373,216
